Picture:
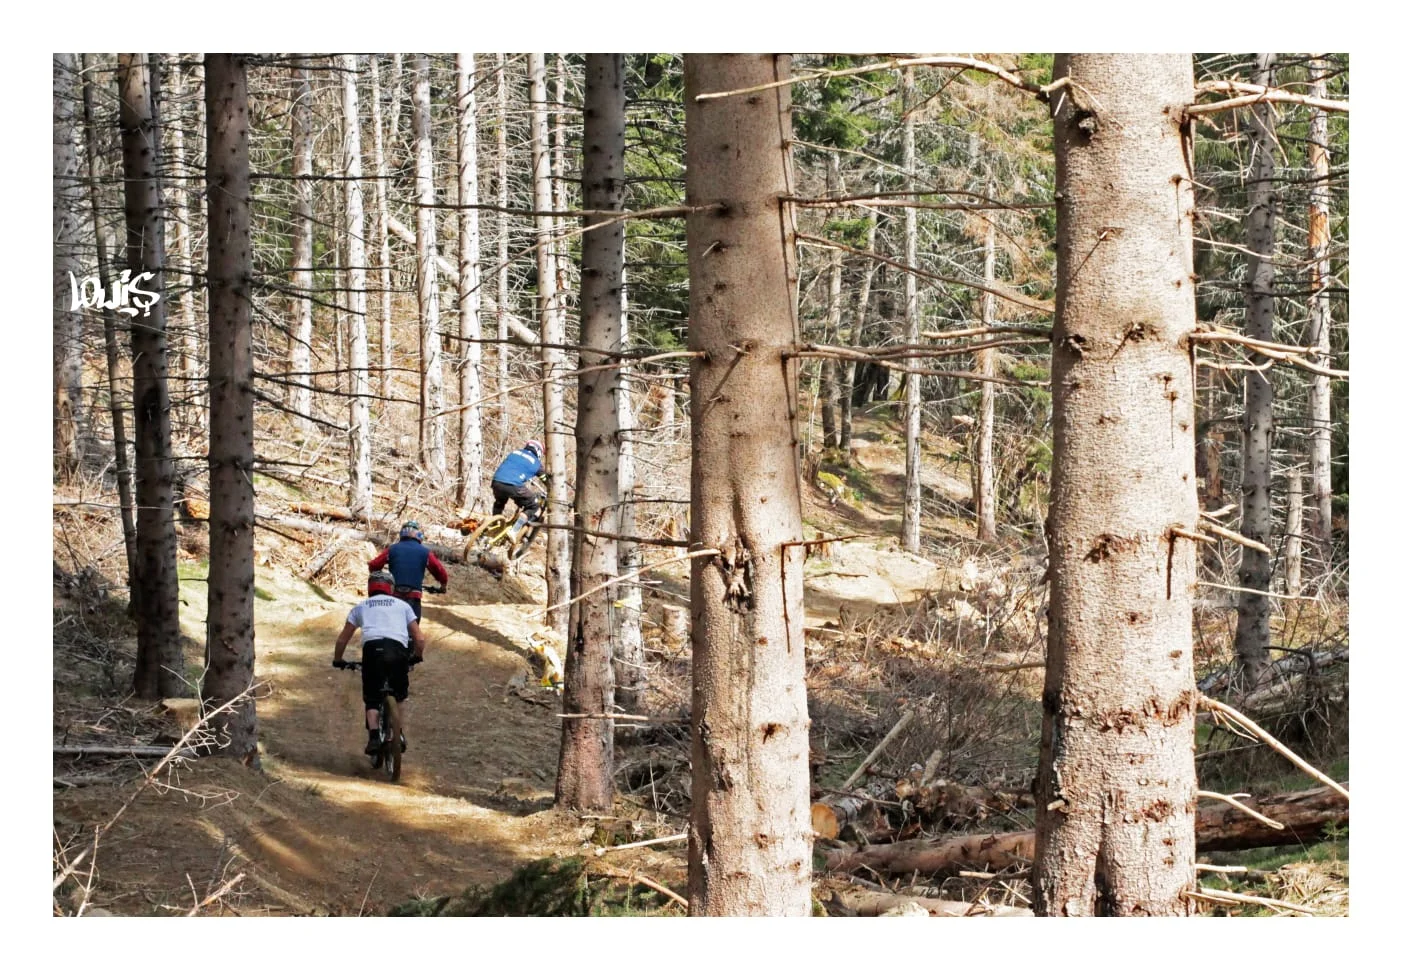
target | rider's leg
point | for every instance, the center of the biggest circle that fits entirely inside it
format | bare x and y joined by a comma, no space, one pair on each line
371,660
501,492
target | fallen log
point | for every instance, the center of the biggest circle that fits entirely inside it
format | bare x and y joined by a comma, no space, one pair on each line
340,513
444,553
1304,816
935,803
874,903
996,851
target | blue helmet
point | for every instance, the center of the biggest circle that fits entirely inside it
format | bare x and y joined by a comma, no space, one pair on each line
411,530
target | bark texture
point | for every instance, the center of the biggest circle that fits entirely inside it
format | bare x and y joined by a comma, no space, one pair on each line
68,321
229,649
750,843
115,377
359,499
986,500
1115,787
431,444
911,504
160,664
1318,309
469,291
585,777
1253,639
299,357
382,227
552,357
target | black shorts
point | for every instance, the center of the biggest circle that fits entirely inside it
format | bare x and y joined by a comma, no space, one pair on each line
380,659
525,497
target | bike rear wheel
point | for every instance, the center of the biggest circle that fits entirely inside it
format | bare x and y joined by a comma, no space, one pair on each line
390,754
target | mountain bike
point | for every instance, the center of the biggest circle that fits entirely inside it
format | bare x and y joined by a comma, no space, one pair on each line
512,535
390,735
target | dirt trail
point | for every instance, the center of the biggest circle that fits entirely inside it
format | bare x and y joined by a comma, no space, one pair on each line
319,831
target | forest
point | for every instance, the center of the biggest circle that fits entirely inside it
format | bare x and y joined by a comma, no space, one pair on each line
814,484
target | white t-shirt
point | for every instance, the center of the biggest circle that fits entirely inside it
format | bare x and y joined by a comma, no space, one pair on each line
382,616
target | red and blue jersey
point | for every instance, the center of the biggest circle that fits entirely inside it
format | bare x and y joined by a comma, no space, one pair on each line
407,560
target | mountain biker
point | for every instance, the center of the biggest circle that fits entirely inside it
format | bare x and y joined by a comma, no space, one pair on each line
407,560
389,631
512,478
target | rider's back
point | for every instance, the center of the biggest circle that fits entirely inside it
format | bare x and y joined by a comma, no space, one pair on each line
517,468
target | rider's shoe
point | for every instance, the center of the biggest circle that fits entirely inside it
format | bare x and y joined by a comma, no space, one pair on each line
372,744
403,742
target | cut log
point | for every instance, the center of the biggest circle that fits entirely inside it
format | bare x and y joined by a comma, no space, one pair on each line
874,903
1305,816
854,812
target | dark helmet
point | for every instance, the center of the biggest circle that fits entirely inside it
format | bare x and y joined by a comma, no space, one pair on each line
534,447
381,581
411,530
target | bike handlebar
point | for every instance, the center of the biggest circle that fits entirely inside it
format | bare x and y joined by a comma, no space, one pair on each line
435,590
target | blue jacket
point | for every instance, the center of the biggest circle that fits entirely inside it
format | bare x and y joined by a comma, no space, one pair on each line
517,468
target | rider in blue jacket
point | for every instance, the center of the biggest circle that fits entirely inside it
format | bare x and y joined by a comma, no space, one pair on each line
511,479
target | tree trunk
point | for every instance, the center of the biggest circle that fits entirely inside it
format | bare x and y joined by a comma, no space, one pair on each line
469,290
845,435
299,358
552,357
630,675
193,416
359,493
1253,641
585,776
986,501
1115,785
68,272
382,232
503,235
1291,551
750,842
431,443
1318,311
829,405
160,663
229,650
911,503
120,458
